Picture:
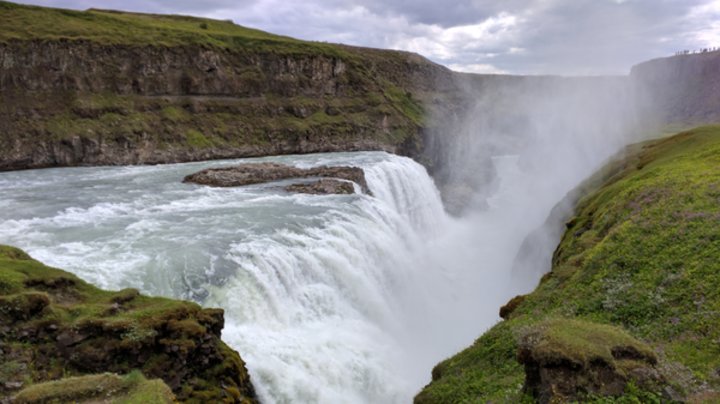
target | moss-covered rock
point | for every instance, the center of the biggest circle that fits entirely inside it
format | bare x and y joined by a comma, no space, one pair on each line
635,279
55,325
568,359
107,388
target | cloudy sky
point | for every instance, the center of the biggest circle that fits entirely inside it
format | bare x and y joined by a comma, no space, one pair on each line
576,37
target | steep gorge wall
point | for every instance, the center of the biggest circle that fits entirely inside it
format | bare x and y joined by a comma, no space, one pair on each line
683,89
78,102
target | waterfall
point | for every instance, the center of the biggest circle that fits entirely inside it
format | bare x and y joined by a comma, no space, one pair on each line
328,298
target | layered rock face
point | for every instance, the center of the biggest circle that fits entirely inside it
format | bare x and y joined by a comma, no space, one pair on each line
89,67
81,97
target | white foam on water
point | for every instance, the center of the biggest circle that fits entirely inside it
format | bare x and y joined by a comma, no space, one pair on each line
329,299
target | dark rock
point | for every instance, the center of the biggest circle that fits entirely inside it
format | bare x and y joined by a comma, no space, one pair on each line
509,307
257,173
322,187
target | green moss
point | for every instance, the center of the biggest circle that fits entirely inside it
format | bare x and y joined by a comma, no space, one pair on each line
174,114
111,388
406,104
583,342
485,372
197,140
632,395
640,254
12,253
62,326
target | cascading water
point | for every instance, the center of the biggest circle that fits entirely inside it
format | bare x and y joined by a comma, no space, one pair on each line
339,298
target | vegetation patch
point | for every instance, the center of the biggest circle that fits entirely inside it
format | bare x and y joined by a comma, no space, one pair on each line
637,267
197,140
56,326
21,22
406,104
133,388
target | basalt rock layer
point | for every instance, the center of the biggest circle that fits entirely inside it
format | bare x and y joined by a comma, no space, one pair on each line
103,87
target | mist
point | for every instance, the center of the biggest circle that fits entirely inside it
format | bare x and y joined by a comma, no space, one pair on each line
504,163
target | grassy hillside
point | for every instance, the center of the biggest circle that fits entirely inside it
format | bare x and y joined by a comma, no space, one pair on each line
641,258
54,326
21,22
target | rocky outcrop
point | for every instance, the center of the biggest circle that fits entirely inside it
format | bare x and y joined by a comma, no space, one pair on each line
572,360
508,308
54,325
257,173
322,187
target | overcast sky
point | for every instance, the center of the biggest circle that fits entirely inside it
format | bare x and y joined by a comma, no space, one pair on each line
576,37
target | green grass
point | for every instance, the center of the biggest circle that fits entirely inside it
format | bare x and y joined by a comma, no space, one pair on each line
641,254
21,22
582,342
197,140
404,101
133,388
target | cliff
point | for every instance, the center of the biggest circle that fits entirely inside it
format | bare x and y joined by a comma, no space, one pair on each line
629,310
683,89
105,87
59,335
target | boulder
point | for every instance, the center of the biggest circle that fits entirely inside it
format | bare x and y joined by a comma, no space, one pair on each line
571,360
258,173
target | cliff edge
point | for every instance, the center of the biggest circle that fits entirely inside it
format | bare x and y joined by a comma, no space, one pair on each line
105,87
631,305
54,326
682,89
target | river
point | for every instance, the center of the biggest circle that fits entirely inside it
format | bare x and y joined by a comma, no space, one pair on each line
328,298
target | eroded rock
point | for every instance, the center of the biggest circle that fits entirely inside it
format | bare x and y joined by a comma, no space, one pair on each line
258,173
509,307
322,187
567,360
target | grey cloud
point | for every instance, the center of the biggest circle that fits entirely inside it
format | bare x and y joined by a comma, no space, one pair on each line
547,36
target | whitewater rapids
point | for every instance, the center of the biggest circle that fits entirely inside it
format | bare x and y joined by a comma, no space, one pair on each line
329,299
